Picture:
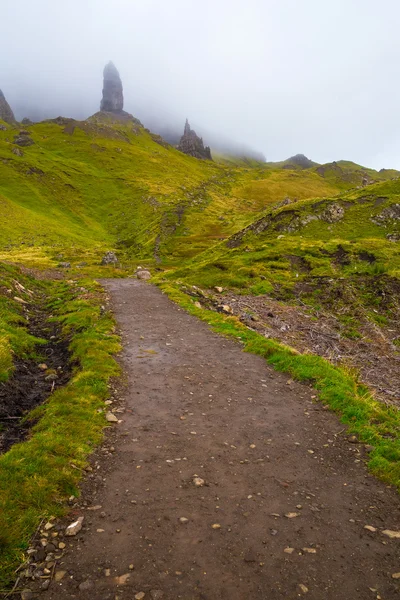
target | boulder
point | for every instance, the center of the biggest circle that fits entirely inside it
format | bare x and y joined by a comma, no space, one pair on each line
23,138
143,274
109,258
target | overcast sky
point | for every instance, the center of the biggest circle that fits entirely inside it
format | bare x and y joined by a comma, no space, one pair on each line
318,77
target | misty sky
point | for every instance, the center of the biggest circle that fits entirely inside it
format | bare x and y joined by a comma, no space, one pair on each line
283,76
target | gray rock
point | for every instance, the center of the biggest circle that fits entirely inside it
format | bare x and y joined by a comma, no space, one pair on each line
23,139
17,151
74,527
109,258
333,213
64,265
113,98
143,274
27,595
6,114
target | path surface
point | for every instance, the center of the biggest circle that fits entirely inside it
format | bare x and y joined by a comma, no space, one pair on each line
197,405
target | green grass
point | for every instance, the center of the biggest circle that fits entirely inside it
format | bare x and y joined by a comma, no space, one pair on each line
372,422
38,475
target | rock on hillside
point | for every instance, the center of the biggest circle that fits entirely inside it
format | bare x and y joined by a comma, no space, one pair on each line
6,114
113,98
190,143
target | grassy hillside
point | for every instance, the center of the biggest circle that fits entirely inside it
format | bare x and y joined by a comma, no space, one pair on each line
351,234
84,187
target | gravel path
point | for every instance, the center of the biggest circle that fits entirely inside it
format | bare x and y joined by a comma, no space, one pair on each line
281,499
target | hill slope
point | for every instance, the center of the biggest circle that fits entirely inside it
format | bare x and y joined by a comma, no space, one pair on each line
83,187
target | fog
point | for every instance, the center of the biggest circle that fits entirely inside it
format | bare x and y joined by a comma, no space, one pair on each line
280,76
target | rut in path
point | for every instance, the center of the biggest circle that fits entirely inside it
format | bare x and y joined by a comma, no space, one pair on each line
197,405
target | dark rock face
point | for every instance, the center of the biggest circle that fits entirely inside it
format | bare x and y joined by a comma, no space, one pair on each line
113,98
6,114
190,143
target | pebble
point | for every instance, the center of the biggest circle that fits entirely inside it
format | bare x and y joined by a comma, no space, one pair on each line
46,584
59,575
122,579
396,576
303,588
216,526
310,550
292,515
288,550
61,545
198,481
370,528
107,572
140,596
26,595
183,520
111,418
74,527
131,566
391,534
48,526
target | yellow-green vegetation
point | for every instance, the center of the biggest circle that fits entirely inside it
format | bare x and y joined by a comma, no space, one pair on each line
85,187
373,423
351,234
15,339
82,188
37,476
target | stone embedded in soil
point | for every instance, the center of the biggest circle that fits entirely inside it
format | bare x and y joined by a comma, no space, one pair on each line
59,575
198,481
370,528
391,534
183,520
74,527
303,588
27,595
111,418
140,596
395,575
288,550
122,579
292,515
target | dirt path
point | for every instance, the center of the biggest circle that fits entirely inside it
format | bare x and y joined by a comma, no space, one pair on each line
197,405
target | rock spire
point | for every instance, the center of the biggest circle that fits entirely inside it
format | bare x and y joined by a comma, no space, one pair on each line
190,143
6,114
113,98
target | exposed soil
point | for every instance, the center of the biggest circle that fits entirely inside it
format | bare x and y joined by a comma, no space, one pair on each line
285,500
359,343
30,384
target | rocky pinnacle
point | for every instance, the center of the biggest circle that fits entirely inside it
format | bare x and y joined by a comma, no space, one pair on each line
190,143
113,98
6,114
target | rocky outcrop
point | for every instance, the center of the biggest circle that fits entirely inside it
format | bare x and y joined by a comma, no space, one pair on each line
109,258
113,98
6,114
23,138
190,143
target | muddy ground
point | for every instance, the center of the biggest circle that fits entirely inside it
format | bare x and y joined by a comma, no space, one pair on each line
33,380
283,499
